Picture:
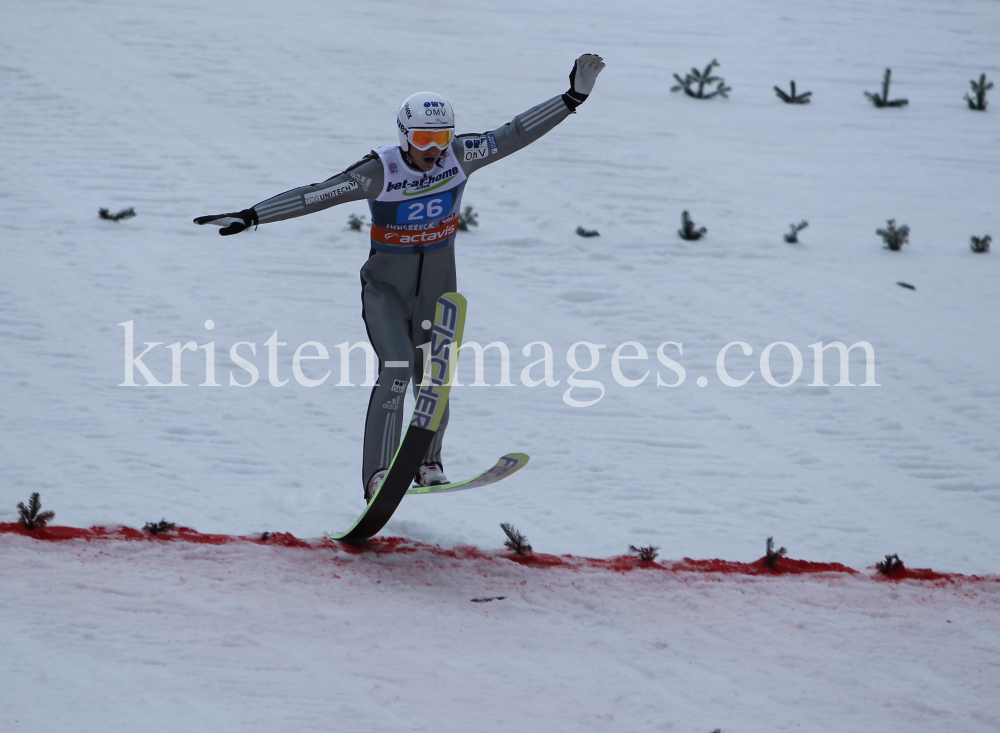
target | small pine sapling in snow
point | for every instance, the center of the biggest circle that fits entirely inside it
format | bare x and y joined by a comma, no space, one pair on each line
890,565
771,557
980,88
123,214
793,236
883,100
894,238
793,98
356,222
587,232
702,79
30,516
688,231
980,244
158,527
515,540
646,554
468,218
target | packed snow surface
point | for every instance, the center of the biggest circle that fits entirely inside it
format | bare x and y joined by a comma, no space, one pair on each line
252,638
184,109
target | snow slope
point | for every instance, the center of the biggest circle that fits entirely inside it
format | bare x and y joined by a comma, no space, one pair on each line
180,109
251,638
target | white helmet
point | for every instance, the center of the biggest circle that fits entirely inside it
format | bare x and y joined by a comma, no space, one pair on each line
425,111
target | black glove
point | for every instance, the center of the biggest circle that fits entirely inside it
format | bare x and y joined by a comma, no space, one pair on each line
582,78
247,218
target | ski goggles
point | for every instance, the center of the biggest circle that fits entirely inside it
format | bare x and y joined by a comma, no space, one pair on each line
423,139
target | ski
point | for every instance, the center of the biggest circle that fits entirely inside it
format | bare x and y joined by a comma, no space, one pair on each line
507,465
446,338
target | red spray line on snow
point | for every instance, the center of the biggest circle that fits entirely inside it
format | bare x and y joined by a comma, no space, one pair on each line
380,546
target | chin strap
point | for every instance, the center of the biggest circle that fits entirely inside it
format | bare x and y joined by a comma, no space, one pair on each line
408,159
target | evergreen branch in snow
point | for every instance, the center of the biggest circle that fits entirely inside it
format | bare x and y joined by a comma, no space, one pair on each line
468,218
894,238
646,554
793,98
688,231
883,99
702,79
980,244
980,88
30,516
123,214
771,556
587,232
793,236
356,222
890,565
515,540
158,527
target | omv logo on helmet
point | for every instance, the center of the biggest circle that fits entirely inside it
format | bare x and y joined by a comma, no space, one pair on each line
437,110
437,114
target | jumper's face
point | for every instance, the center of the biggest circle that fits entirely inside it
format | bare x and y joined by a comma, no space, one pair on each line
425,160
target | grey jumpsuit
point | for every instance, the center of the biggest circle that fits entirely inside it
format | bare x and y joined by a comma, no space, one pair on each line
412,258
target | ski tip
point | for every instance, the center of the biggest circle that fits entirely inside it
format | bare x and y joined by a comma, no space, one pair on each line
508,464
456,298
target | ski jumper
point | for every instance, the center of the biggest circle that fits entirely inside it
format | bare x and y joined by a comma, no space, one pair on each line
412,258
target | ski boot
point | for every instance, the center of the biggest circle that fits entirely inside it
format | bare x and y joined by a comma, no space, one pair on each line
431,474
373,483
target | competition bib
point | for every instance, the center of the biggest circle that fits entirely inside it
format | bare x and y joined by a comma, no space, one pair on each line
416,211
